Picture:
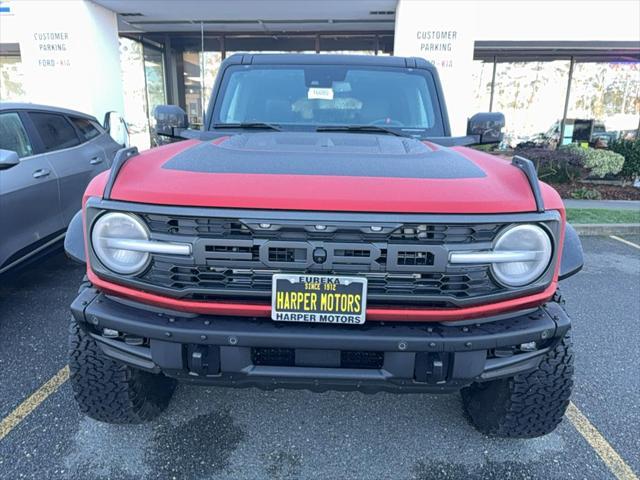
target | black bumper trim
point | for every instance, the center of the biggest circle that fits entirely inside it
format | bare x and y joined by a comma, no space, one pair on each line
465,348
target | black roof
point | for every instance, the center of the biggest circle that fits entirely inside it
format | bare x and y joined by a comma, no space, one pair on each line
324,59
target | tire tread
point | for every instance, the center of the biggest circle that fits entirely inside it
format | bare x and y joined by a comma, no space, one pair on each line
527,405
110,391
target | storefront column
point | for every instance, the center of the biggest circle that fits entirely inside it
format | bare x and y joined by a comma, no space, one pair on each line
493,83
170,72
566,103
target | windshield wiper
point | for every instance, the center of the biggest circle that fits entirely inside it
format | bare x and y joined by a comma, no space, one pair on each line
360,128
255,125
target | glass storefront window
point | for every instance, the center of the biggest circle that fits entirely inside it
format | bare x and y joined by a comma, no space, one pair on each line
195,102
133,86
531,95
11,89
192,88
154,77
212,61
608,93
143,87
481,81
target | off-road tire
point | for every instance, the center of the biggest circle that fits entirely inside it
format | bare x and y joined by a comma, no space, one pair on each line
527,405
111,391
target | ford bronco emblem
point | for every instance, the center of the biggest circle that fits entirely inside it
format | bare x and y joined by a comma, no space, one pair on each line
319,255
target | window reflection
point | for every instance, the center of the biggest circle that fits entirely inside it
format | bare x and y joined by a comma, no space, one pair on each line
143,87
154,76
11,79
608,93
133,89
481,81
195,103
531,95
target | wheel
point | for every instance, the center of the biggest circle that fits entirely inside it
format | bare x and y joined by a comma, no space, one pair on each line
527,405
110,391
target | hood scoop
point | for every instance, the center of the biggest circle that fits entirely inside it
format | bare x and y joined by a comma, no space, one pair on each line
324,154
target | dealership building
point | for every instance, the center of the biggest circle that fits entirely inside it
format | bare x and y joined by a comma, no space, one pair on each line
538,62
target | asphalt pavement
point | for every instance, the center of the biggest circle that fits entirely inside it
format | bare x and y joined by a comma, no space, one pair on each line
219,433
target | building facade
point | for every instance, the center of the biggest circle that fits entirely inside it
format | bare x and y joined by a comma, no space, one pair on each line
540,63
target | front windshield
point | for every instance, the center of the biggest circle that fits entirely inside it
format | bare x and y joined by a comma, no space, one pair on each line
329,95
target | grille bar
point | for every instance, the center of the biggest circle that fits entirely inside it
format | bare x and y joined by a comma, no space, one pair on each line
297,230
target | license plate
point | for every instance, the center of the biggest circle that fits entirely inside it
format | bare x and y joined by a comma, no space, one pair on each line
319,299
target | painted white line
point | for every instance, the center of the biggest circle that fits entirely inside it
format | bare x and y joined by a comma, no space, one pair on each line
609,456
627,242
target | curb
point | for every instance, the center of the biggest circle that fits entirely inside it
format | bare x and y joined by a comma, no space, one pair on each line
601,229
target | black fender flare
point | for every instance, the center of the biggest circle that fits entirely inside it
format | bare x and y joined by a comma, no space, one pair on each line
74,240
572,259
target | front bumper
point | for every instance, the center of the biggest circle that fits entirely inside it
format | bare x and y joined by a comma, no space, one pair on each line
240,352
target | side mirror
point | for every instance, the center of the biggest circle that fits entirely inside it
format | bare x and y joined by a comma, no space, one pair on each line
486,127
169,120
8,159
116,127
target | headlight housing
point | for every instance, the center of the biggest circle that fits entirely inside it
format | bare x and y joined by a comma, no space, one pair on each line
109,231
530,247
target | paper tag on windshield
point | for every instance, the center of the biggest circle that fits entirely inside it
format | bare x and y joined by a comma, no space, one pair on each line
317,93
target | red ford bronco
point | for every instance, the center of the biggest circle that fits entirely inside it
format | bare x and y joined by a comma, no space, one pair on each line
325,231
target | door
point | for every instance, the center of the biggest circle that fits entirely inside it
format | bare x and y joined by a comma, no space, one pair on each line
74,159
97,140
110,147
92,129
29,198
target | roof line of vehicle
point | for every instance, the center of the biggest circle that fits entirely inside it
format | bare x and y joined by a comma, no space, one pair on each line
44,108
326,59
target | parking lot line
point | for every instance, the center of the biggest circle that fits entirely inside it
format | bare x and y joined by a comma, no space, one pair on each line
631,244
614,462
605,451
30,404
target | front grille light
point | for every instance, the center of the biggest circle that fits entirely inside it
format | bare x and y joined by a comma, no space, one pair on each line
121,242
108,231
519,256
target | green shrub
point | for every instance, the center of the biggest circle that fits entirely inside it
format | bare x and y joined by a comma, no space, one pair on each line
600,162
583,193
630,150
555,166
488,147
603,162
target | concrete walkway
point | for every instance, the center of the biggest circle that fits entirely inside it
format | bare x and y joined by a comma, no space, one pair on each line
604,204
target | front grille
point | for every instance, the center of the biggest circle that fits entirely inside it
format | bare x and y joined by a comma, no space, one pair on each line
198,282
361,359
404,262
275,357
286,357
287,255
415,258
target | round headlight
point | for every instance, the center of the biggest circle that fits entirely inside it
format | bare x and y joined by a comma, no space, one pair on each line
530,240
108,233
